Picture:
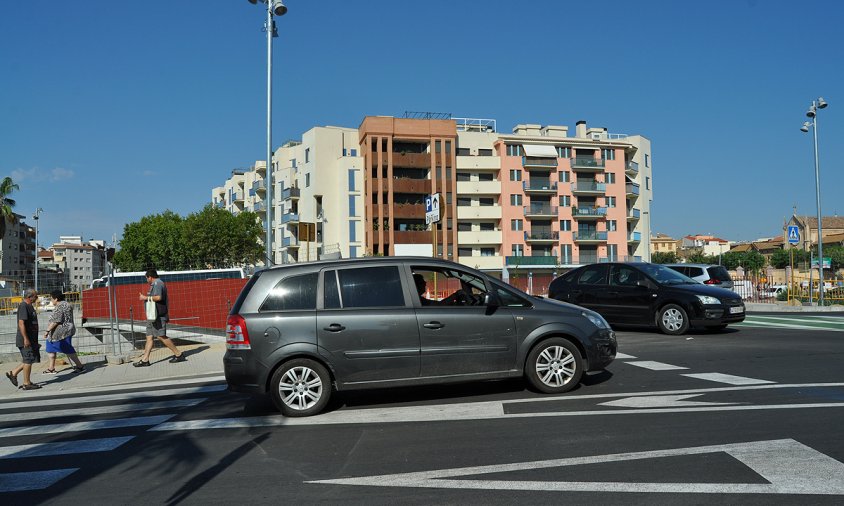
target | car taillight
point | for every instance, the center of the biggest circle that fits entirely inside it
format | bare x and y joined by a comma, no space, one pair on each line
712,282
237,338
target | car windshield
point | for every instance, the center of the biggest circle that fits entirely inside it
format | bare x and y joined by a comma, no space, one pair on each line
666,276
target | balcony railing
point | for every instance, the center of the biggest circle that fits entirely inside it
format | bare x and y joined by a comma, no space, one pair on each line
533,161
632,188
633,214
586,162
588,187
632,168
536,236
634,237
259,186
590,236
290,193
237,197
541,210
540,186
524,261
589,212
289,242
290,218
259,207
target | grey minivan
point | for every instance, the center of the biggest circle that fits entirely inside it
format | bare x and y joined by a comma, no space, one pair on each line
299,332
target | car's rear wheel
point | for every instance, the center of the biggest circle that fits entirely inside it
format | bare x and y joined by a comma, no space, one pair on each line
672,320
554,366
301,387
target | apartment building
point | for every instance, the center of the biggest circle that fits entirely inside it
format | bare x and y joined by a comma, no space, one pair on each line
81,261
17,252
663,243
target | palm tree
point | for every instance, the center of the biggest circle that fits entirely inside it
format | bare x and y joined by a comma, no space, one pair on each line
7,186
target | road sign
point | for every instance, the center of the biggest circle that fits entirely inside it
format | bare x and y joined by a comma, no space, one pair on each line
793,234
432,208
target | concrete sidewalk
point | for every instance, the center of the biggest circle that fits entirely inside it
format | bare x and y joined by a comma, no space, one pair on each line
202,360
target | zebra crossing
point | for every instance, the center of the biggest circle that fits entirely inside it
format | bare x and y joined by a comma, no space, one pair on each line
798,321
26,426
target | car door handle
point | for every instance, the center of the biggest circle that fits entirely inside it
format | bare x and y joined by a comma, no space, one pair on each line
433,325
335,327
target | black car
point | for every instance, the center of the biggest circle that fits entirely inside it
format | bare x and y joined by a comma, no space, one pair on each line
648,294
302,331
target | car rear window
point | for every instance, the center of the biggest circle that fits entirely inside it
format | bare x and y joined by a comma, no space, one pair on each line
694,272
719,272
293,293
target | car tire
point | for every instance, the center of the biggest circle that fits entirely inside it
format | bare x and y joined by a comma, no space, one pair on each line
672,320
554,366
301,387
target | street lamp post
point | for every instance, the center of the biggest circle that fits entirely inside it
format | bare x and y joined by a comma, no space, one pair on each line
35,217
812,113
278,8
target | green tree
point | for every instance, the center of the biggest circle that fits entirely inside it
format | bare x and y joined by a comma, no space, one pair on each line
781,258
836,255
664,257
753,261
216,238
7,204
155,241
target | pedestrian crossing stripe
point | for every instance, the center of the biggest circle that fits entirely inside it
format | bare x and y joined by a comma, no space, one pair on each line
101,410
32,480
62,428
63,447
126,396
794,322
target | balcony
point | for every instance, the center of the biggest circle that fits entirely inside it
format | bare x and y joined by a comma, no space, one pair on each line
411,185
632,168
261,167
290,193
478,212
485,263
479,237
588,188
633,214
542,237
539,187
589,213
534,162
587,163
589,236
259,207
290,218
540,211
479,162
410,160
408,211
634,237
632,190
533,261
258,186
478,187
289,242
237,198
404,237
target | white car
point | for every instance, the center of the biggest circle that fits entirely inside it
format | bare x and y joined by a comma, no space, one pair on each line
773,292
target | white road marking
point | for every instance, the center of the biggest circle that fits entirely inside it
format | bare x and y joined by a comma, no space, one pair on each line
817,319
128,396
789,467
754,323
53,412
661,401
728,378
118,423
656,366
623,356
180,382
62,447
32,480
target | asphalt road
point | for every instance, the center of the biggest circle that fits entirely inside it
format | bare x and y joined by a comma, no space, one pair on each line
751,415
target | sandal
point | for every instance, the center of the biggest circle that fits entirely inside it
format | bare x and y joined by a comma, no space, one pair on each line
13,378
30,386
141,363
50,371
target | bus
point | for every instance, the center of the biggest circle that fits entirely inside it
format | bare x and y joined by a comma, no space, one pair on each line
139,278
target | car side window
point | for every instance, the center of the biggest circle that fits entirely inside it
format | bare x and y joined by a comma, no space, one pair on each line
447,287
331,290
623,275
371,287
510,299
594,275
694,272
292,293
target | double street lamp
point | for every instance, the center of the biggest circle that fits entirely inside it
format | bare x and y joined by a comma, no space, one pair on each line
274,7
812,113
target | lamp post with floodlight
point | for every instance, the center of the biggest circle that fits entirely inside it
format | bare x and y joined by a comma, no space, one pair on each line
812,113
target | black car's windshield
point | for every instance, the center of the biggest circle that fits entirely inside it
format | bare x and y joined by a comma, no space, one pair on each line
665,275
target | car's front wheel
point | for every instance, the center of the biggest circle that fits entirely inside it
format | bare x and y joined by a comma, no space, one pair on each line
672,320
301,387
554,366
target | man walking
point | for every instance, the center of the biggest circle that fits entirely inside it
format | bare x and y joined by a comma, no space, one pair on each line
26,341
157,326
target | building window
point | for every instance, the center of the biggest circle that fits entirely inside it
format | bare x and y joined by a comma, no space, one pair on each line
487,252
608,154
515,199
464,252
517,250
515,175
565,177
565,254
565,200
610,201
464,201
307,155
354,152
307,180
352,210
486,201
565,225
609,177
612,252
647,160
516,225
353,251
563,152
351,180
352,234
612,225
648,186
514,150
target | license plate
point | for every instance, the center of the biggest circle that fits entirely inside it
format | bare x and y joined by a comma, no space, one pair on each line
737,309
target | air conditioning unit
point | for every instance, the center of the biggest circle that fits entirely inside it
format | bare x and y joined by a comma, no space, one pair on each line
596,136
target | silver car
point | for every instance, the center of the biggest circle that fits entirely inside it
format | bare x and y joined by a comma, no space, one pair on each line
708,274
299,332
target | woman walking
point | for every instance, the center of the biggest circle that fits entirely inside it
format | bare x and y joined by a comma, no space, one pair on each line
59,333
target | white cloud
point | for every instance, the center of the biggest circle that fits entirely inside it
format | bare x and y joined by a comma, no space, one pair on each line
60,174
37,175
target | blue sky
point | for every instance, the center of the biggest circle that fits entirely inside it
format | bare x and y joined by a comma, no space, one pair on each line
111,111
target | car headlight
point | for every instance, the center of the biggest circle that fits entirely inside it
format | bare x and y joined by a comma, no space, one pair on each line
706,299
596,319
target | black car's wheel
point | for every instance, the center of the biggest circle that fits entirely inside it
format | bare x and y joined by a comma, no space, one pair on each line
672,320
554,366
301,387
